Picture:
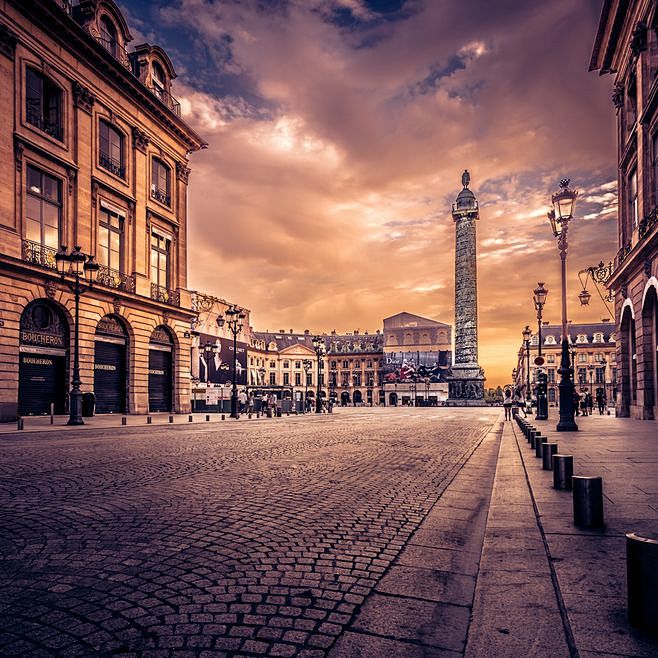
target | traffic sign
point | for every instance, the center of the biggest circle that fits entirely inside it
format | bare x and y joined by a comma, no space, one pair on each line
539,360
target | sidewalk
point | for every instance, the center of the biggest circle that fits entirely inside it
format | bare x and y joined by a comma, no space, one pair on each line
590,565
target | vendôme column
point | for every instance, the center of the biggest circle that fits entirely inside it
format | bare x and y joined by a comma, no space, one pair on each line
466,381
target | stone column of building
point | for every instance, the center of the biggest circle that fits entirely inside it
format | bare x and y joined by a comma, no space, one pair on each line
466,382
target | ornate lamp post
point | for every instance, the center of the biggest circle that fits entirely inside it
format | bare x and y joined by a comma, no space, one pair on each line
559,217
84,270
318,346
234,317
527,333
307,365
539,297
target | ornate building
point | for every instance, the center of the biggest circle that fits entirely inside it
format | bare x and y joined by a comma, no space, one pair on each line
627,46
96,157
593,353
467,377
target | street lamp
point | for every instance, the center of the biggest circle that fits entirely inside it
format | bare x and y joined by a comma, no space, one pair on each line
82,268
318,346
539,297
307,365
563,204
527,333
234,317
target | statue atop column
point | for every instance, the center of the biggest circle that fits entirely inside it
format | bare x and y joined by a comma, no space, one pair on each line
466,380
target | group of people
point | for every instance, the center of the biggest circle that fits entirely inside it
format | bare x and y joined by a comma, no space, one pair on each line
583,402
513,402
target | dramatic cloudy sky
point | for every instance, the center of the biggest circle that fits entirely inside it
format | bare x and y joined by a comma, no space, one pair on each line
338,131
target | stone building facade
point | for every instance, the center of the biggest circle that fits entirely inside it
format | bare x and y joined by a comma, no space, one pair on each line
626,46
95,155
594,355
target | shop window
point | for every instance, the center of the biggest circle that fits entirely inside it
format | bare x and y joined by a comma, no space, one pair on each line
111,147
43,208
161,182
43,104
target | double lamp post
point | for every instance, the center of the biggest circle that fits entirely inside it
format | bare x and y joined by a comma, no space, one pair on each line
233,317
318,346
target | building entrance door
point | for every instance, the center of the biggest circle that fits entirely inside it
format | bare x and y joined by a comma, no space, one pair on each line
161,380
110,366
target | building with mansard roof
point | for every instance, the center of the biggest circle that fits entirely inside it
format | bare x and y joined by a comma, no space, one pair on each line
95,152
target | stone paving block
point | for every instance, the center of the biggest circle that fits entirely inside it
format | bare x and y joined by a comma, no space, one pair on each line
356,645
442,559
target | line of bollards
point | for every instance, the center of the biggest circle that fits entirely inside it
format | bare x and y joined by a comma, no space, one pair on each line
587,497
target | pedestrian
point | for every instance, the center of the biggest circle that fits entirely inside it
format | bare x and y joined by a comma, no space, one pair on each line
519,403
600,401
590,403
576,402
507,404
250,403
583,402
242,399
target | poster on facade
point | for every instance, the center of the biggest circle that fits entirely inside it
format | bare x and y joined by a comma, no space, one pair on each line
216,362
416,366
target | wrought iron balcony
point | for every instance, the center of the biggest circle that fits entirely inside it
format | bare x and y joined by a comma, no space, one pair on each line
111,165
165,295
160,196
166,98
622,254
114,279
647,223
36,118
38,254
116,50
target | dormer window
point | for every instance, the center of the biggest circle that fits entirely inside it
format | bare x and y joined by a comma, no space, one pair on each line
581,338
159,81
161,182
43,103
108,36
550,340
598,337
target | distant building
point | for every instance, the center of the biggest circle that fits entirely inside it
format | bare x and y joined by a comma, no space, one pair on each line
594,352
95,155
627,46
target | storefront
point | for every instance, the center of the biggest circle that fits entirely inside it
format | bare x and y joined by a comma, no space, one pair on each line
42,371
110,366
161,379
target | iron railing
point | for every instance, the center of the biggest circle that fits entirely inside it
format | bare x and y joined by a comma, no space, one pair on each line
160,196
165,295
52,128
113,279
166,98
117,51
111,164
39,254
647,223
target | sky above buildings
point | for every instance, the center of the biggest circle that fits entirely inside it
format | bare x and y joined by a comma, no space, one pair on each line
338,131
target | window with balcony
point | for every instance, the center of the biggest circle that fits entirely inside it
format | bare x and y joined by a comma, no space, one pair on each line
110,239
43,99
654,168
110,153
161,182
160,260
582,358
286,379
298,379
357,378
43,211
272,379
108,36
346,364
551,375
309,379
159,80
633,209
345,378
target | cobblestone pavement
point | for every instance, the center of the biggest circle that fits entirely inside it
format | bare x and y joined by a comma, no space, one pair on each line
255,538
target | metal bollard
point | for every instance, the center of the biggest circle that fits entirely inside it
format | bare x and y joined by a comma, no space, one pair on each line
539,441
531,437
207,418
171,419
124,420
258,414
547,452
587,501
223,416
249,415
642,582
562,471
19,425
149,420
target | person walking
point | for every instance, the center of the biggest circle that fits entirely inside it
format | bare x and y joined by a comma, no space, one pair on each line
600,401
519,404
589,401
507,404
576,402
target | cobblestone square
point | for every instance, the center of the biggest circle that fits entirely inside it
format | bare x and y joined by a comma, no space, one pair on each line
239,538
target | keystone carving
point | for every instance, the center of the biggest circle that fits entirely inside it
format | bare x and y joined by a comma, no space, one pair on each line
182,172
83,98
141,139
618,95
639,39
50,289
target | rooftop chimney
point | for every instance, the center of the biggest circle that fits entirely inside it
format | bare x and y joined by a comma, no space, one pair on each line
307,332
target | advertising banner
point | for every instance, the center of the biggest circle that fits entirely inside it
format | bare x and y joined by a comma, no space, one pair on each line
216,363
416,366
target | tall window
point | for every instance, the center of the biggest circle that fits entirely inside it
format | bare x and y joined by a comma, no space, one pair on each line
272,379
160,248
110,154
633,211
108,38
43,103
43,208
309,379
110,237
160,182
298,379
159,81
654,142
286,379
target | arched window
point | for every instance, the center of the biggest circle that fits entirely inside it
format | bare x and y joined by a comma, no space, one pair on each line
108,36
43,103
159,80
161,182
110,152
